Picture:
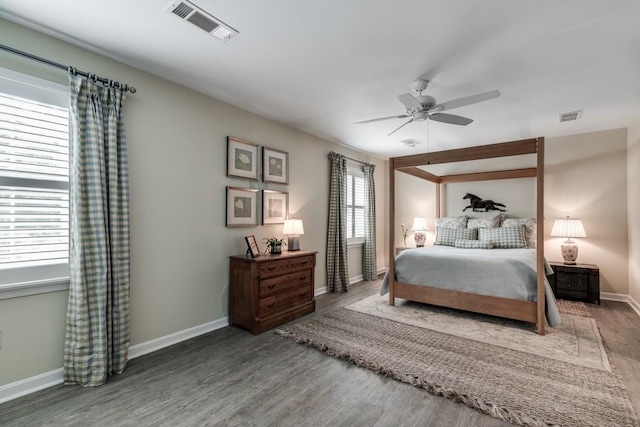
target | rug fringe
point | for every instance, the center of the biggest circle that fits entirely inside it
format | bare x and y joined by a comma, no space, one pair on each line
471,401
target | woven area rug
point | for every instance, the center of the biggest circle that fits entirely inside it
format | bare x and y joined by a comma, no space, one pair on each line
513,385
577,340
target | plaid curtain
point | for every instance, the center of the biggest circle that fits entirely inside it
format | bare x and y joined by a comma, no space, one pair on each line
337,274
369,258
97,326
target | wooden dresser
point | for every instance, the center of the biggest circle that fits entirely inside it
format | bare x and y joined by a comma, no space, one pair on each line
270,290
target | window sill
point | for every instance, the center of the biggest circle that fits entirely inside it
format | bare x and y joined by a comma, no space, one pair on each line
354,245
24,289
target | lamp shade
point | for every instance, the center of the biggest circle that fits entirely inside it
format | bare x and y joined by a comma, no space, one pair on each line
568,227
293,227
419,224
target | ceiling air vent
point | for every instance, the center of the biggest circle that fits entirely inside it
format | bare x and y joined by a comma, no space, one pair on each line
205,21
410,142
573,115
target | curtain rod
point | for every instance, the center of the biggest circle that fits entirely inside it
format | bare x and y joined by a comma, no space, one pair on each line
117,85
352,159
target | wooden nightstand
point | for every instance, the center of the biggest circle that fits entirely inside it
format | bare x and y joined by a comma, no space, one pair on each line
579,281
270,290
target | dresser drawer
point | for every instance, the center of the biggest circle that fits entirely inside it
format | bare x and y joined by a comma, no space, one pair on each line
285,266
282,302
282,284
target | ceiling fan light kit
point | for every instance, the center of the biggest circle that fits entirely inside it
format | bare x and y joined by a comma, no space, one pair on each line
423,107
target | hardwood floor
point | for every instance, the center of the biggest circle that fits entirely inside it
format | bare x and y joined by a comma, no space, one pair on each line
229,377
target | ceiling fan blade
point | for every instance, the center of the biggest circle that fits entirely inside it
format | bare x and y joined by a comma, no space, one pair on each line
450,119
381,118
467,100
409,101
400,127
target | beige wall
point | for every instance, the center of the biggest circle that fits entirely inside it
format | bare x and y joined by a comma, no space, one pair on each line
585,177
633,192
179,242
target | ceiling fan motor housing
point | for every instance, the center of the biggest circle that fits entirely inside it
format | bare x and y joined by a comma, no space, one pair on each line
420,116
426,101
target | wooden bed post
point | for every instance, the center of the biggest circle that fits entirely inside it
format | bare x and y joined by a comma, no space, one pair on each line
438,200
392,226
540,318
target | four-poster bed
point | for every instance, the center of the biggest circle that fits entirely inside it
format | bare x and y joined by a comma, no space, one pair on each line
527,311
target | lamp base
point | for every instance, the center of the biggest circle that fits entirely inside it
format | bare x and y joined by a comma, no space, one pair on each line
293,243
420,238
569,253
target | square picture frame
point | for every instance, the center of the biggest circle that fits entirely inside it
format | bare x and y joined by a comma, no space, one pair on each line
242,158
242,207
275,166
253,250
275,207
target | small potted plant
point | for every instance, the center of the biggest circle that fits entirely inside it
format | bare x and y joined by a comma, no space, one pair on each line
274,245
404,231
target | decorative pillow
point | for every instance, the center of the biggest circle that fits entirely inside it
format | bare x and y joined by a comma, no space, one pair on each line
530,229
474,244
447,236
451,222
504,237
485,222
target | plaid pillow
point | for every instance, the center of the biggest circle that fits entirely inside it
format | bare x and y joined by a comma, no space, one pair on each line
530,229
474,244
447,236
504,237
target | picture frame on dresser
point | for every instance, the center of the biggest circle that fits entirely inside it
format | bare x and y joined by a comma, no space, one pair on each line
275,166
242,158
242,207
252,246
275,207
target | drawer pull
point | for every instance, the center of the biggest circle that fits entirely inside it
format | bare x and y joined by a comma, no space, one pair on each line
303,294
272,268
271,305
303,278
304,262
271,286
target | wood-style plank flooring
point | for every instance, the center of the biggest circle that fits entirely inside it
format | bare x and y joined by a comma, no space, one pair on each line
229,377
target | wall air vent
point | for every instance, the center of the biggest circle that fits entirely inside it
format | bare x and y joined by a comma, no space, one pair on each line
410,142
567,117
191,13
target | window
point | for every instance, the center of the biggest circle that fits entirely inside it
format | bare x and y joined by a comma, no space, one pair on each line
34,181
355,206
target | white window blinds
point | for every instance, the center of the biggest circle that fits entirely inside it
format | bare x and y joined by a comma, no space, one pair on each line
355,207
34,180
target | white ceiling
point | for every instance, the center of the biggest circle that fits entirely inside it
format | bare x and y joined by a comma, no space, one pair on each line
320,65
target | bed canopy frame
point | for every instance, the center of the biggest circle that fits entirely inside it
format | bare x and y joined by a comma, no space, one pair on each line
533,312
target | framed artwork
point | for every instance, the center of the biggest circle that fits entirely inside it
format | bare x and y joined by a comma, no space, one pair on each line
253,246
242,207
242,158
275,207
275,166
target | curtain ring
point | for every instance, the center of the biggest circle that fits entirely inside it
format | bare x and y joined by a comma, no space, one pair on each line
125,88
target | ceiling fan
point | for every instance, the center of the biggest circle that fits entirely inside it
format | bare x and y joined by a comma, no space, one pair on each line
423,107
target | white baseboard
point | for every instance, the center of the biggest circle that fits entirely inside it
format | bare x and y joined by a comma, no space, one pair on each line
49,379
30,385
352,280
621,298
171,339
321,291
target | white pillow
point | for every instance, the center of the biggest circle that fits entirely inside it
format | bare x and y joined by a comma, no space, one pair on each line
451,222
485,222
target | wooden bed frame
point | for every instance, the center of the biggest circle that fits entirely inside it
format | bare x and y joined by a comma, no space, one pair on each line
527,311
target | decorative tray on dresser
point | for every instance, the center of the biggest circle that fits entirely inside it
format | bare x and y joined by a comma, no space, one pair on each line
270,290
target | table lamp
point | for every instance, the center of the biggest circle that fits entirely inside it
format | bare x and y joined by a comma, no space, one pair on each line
419,227
568,227
293,229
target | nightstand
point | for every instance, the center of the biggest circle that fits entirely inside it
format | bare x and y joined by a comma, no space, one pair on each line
579,281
